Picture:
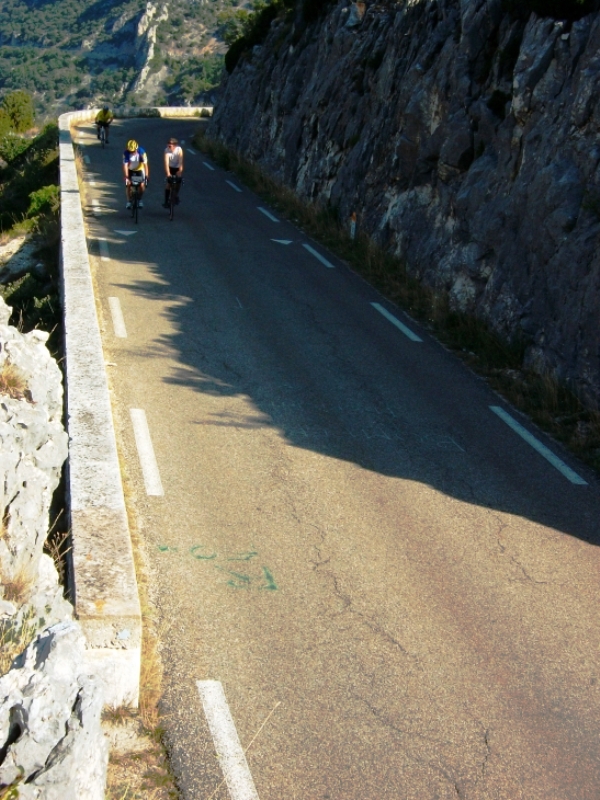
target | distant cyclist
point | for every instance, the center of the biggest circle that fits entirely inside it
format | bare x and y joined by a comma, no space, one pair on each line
173,166
135,161
103,119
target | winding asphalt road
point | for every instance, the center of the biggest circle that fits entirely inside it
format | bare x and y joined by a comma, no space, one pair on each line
389,590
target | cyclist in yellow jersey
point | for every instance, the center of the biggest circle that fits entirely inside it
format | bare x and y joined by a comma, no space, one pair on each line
103,119
135,161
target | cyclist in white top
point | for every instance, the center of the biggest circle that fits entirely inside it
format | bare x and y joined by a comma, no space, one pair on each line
173,166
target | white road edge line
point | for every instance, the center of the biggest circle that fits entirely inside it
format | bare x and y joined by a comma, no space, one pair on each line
267,214
406,331
117,317
227,743
103,246
318,256
556,462
95,208
208,166
233,186
146,452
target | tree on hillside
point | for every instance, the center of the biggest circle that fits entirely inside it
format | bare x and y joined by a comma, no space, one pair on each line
5,123
19,108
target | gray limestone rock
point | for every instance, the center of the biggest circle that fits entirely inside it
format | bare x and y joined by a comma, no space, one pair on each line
467,142
33,448
51,742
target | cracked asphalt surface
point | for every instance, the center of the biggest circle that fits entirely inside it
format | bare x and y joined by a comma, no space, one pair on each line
347,530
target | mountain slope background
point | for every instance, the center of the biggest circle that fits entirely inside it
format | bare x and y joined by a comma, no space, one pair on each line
78,53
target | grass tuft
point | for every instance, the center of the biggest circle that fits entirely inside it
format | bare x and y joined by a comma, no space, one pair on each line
12,381
15,637
17,587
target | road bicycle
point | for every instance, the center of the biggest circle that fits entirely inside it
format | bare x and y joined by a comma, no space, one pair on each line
136,181
102,135
174,182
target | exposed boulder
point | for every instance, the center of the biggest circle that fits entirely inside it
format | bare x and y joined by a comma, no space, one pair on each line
51,742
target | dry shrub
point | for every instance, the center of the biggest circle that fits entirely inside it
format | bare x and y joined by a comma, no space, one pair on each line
17,587
14,638
58,546
12,381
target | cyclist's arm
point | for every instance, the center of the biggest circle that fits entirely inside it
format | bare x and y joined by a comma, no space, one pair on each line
167,170
181,162
146,165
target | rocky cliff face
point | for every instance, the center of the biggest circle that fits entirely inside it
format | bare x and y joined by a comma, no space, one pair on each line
51,741
466,140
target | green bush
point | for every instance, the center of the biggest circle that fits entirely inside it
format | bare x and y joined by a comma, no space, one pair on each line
45,199
19,107
256,29
5,123
33,166
12,146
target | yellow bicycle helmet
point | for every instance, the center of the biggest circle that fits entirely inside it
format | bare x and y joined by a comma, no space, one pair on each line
132,145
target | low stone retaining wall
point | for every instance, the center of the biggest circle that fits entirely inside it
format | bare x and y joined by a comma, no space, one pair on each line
103,581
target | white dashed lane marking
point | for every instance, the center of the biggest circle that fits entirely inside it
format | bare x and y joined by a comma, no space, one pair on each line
227,743
103,247
318,256
145,450
556,462
117,317
267,214
208,166
233,186
400,325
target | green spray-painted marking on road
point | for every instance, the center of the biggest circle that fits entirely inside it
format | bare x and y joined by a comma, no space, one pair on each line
238,580
243,556
195,551
241,581
270,586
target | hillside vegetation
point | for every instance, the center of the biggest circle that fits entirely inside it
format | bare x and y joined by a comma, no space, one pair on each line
77,53
29,213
